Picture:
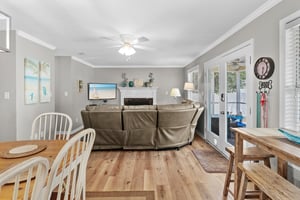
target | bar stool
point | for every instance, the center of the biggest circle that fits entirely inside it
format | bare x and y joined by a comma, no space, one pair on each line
250,154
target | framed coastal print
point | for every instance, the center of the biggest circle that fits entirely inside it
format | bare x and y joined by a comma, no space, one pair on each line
45,71
31,81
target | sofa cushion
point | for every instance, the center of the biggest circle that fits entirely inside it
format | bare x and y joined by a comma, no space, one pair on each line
175,118
174,106
140,126
140,107
110,119
103,107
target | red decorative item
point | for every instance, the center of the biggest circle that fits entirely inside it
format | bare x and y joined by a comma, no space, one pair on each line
263,99
264,110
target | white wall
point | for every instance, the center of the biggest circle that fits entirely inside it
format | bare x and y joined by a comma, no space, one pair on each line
26,113
8,84
68,72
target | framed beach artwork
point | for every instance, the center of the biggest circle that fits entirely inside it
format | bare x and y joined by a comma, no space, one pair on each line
45,77
31,81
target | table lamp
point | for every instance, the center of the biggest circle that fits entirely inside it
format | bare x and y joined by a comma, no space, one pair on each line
175,92
189,87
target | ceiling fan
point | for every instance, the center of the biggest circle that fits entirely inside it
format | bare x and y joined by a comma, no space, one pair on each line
128,43
237,64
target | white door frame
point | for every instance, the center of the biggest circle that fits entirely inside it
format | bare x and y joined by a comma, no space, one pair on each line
244,49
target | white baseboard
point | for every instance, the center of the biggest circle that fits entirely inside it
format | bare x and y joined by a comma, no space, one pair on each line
76,129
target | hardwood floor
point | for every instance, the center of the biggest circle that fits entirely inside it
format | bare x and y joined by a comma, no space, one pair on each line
171,174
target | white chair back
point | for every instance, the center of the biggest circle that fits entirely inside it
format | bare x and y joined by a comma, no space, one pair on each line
50,126
67,176
28,178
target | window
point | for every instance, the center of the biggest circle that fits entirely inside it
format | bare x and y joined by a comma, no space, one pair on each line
193,76
290,73
5,21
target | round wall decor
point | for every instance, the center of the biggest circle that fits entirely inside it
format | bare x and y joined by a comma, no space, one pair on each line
264,68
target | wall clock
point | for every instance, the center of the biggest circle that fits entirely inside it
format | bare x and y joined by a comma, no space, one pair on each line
264,68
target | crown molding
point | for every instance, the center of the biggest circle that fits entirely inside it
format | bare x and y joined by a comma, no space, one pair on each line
83,62
258,12
35,40
124,66
140,66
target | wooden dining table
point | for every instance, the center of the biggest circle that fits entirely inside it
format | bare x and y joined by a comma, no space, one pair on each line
270,140
48,149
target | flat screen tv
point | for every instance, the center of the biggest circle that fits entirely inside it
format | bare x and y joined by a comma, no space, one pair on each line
102,91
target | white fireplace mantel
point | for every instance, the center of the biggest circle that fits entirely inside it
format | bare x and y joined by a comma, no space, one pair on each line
138,92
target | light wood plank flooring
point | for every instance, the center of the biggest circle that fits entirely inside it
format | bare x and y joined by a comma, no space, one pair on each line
171,174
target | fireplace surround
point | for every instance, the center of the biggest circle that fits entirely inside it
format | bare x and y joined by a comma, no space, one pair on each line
138,101
142,94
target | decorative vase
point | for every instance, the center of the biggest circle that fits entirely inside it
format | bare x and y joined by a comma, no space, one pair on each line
124,84
130,84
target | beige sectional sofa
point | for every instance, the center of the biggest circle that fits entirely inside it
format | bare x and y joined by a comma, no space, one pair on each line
142,127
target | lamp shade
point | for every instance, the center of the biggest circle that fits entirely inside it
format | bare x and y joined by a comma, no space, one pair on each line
127,50
188,86
175,92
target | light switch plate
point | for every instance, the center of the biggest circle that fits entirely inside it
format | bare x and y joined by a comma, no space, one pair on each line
6,95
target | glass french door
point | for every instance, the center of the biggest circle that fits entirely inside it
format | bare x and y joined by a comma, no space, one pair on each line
228,102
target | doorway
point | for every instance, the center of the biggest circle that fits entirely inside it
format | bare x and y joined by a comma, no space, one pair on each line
228,102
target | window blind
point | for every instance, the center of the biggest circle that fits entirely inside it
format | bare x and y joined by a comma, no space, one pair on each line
291,119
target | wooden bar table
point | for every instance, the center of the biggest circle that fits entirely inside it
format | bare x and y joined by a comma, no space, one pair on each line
270,140
11,154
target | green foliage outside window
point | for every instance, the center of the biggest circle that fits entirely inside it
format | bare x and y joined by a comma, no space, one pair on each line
231,81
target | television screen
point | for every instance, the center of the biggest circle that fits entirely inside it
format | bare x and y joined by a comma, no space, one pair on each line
98,91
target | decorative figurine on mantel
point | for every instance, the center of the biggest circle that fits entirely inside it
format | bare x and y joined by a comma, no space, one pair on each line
151,80
125,80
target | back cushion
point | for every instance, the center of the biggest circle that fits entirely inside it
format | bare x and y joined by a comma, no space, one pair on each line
140,107
139,119
174,106
103,107
175,118
110,119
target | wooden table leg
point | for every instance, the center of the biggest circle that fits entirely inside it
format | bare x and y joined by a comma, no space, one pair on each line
238,157
282,167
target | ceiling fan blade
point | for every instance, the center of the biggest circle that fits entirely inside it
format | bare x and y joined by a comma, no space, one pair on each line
143,39
109,38
139,40
115,46
143,47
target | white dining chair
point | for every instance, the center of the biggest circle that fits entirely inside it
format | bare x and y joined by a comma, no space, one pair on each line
67,177
51,126
27,177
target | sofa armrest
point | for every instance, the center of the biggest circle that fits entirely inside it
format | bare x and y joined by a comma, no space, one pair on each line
197,115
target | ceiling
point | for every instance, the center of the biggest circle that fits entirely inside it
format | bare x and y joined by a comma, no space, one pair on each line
178,31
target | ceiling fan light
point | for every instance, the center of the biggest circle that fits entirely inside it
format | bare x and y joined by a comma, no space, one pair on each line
127,50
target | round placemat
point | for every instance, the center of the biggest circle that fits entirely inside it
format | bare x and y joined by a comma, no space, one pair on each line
22,151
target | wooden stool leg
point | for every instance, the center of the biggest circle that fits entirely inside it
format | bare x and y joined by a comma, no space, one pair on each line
243,187
228,176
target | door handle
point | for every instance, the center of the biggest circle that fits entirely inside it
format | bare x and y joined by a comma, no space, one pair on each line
222,113
223,97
